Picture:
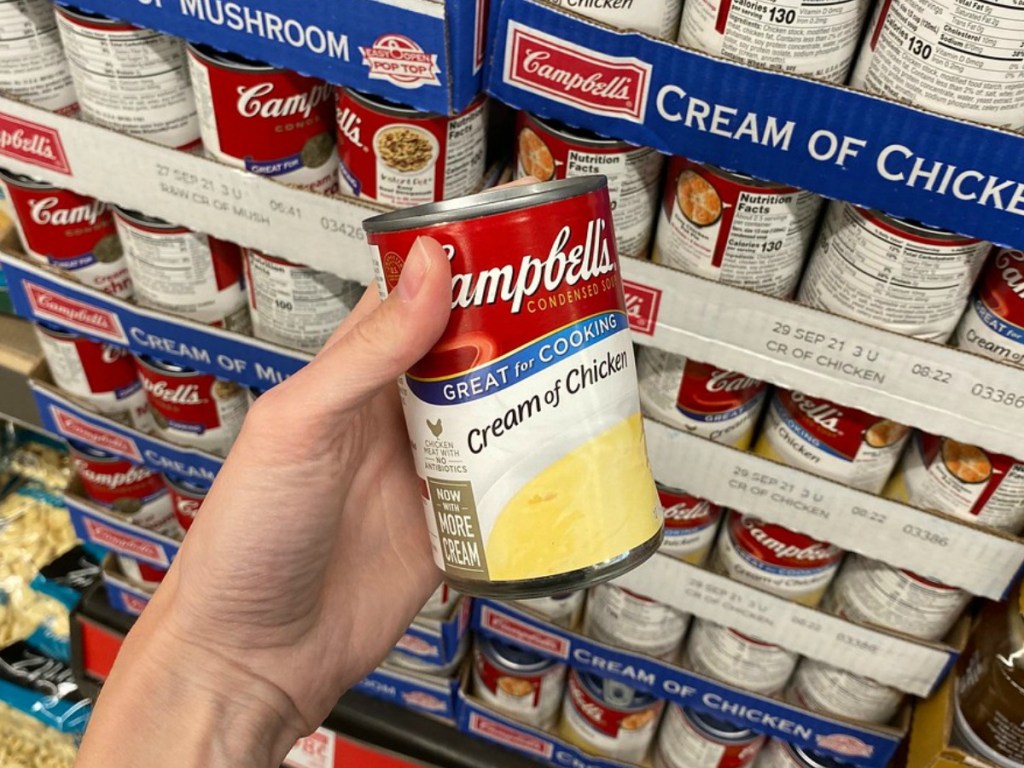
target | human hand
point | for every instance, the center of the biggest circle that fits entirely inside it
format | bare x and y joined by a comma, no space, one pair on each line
308,559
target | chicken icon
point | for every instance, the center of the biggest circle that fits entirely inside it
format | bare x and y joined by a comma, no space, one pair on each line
435,429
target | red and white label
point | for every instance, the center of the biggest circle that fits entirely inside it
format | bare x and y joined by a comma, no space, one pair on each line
32,143
186,501
686,740
720,405
725,654
503,734
403,158
313,751
734,230
618,617
124,543
529,697
690,525
776,559
401,61
272,122
74,314
642,304
619,732
73,232
129,489
524,634
142,575
582,77
993,325
831,440
70,425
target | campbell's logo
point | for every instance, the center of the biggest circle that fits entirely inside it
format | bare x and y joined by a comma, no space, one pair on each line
586,706
642,303
506,734
590,258
424,700
416,645
110,354
187,507
258,101
524,634
400,60
682,513
587,79
349,126
106,536
48,211
113,480
1008,262
824,414
70,425
730,381
32,143
766,536
47,305
844,744
182,394
133,603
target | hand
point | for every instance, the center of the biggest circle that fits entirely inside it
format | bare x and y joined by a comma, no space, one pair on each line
308,558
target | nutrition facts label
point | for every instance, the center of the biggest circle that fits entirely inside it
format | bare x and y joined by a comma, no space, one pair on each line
464,159
958,57
813,37
32,65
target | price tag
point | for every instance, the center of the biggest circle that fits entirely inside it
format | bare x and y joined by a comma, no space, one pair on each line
313,751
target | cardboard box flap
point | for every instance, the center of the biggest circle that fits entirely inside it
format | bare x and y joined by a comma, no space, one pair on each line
837,142
434,696
106,529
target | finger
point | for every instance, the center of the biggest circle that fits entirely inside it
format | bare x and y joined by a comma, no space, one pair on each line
369,301
385,342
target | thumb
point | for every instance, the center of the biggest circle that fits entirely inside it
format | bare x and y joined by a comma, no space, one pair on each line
387,340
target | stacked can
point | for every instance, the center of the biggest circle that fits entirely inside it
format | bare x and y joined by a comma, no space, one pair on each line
100,375
691,524
619,617
658,18
781,754
184,272
564,609
294,305
187,495
524,685
193,408
272,122
993,325
130,79
399,156
893,274
949,57
691,739
722,653
824,688
69,231
32,63
546,149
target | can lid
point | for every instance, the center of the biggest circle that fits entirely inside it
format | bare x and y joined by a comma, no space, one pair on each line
192,485
227,57
717,727
162,365
815,759
580,134
53,329
88,450
76,12
489,203
613,693
24,181
387,105
512,656
141,218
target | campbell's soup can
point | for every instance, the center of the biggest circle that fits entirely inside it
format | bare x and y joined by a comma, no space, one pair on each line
658,18
691,524
193,408
834,691
608,718
775,559
184,272
524,417
619,617
100,375
720,405
399,156
142,574
818,39
32,63
734,229
722,653
893,274
130,79
993,325
961,480
952,58
781,754
692,739
519,682
831,440
295,305
69,231
563,609
872,592
187,496
130,489
440,603
272,122
546,149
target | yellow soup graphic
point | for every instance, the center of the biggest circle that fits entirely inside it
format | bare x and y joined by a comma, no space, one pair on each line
588,507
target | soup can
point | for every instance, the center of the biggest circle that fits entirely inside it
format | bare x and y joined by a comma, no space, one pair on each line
734,229
831,440
187,496
546,149
818,39
399,156
608,718
993,325
689,738
691,524
658,18
775,559
872,592
950,58
619,617
184,272
835,691
961,480
722,653
69,231
272,122
142,574
524,685
193,408
32,63
710,402
100,375
897,275
563,609
294,305
781,754
536,363
130,79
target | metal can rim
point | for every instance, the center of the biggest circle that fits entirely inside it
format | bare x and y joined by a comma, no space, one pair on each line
490,649
579,135
228,60
135,217
163,366
23,181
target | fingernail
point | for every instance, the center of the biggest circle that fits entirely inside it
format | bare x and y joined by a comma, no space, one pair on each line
414,271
